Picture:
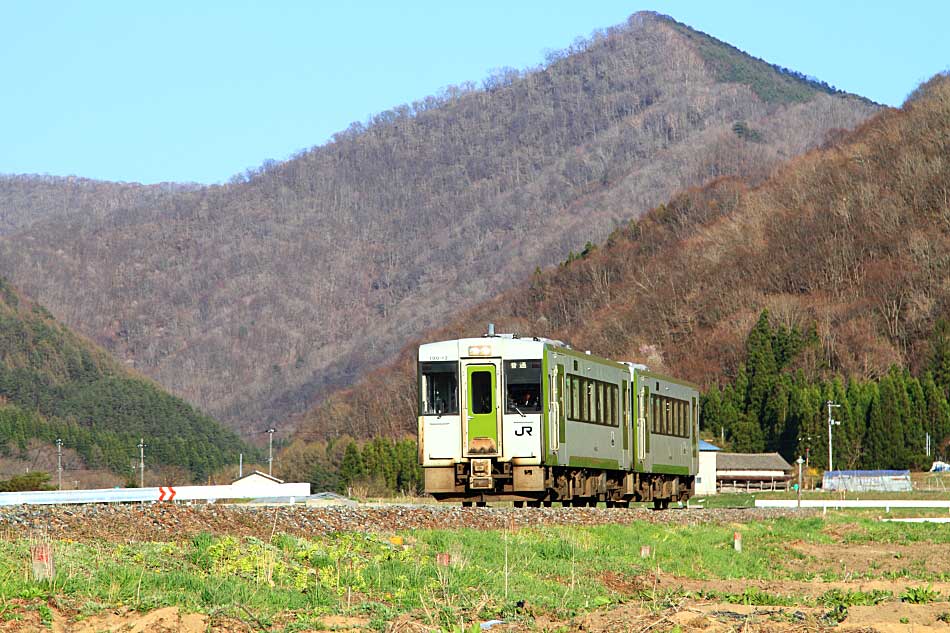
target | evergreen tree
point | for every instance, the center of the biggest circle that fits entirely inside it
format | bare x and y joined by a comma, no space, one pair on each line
939,364
760,365
884,441
775,418
747,435
914,422
351,468
936,416
710,411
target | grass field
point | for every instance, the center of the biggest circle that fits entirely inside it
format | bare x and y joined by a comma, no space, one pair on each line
447,580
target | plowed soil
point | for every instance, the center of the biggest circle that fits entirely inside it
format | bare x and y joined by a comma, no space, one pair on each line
160,522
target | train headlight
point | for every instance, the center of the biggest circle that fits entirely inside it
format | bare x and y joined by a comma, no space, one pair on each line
479,350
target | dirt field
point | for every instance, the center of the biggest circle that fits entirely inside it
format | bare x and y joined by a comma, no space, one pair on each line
895,580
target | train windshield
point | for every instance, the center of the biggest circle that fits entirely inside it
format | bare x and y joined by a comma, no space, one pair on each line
439,388
523,384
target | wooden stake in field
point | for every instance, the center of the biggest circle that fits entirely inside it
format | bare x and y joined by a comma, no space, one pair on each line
41,556
737,541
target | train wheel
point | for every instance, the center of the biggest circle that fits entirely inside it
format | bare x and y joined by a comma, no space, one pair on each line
519,504
547,503
481,504
534,503
466,504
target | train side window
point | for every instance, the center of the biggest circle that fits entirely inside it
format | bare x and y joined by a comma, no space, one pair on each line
575,398
591,401
438,388
600,403
609,409
618,412
585,399
566,388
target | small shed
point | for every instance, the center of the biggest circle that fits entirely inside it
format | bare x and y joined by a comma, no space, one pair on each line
705,483
743,472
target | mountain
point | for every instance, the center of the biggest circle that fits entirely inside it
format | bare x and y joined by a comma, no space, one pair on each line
254,298
841,257
55,384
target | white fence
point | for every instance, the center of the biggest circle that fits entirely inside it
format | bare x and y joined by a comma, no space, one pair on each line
164,493
837,504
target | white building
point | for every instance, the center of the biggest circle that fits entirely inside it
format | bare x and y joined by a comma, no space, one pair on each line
705,483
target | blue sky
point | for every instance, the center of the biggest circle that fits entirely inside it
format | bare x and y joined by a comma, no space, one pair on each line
198,91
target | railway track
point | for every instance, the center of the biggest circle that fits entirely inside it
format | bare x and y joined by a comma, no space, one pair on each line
171,522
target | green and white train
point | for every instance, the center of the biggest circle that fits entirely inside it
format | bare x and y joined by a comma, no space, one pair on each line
533,421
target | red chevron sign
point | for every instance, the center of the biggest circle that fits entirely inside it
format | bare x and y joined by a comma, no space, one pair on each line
162,491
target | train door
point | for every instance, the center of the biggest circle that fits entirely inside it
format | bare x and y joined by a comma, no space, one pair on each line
556,410
644,395
626,415
482,410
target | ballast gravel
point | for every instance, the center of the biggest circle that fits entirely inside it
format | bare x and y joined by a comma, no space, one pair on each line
172,522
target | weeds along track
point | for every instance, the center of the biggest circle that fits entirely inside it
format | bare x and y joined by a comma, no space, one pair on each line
170,522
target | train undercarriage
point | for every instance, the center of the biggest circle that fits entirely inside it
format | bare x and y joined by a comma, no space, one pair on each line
483,480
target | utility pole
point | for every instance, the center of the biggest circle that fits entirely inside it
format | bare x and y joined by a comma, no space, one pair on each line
141,447
270,450
831,422
59,461
799,461
807,440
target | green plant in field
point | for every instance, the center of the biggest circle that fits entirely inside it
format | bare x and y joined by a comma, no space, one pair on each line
46,615
919,595
756,597
836,614
944,617
836,597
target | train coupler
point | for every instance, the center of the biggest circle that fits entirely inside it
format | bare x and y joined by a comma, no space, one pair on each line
481,475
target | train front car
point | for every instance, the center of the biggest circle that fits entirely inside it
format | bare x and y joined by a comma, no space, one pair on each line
481,405
503,418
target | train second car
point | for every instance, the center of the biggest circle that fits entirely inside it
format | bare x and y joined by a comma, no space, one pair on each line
534,421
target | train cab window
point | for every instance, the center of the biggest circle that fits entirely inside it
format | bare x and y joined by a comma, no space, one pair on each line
438,388
482,389
523,386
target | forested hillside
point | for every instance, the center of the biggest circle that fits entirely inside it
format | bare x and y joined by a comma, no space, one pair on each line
252,299
54,384
828,280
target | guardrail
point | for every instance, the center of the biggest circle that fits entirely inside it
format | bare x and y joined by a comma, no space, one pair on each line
162,493
838,504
